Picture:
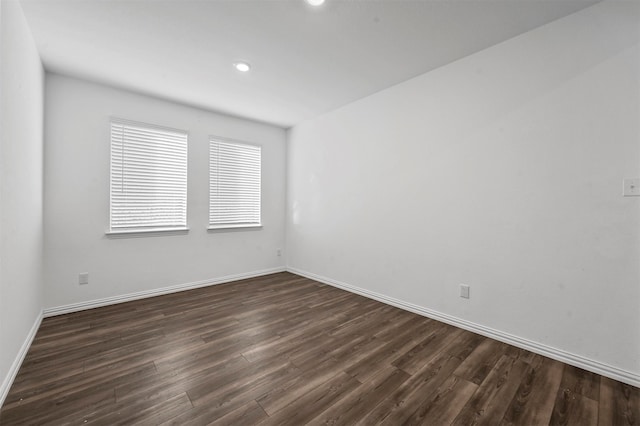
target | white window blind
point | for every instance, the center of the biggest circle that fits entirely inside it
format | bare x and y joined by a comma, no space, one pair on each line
234,184
148,177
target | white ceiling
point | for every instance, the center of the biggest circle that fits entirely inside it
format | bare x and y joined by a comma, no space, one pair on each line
306,61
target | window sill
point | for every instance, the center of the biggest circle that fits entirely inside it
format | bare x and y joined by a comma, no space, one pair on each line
151,232
234,227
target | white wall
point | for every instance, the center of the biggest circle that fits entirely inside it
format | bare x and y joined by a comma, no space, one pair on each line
21,98
77,199
503,171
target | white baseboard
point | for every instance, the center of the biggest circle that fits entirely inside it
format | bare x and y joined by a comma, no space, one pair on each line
17,362
81,306
530,345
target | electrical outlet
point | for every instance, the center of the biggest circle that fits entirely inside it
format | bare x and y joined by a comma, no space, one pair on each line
464,291
83,278
279,252
631,187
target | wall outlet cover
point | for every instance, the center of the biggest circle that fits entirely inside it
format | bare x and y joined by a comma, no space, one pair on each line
631,187
83,278
464,291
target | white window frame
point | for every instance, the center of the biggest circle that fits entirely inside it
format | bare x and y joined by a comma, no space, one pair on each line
175,174
213,191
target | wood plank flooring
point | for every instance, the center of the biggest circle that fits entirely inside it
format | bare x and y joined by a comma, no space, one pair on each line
286,350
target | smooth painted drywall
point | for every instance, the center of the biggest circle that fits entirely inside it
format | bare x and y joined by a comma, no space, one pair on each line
21,94
502,171
76,172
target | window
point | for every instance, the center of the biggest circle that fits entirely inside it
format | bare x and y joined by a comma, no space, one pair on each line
148,178
234,184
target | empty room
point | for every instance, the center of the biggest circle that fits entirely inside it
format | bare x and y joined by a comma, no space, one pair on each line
290,212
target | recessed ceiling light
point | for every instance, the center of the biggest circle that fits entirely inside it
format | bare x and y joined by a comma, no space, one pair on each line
315,2
242,66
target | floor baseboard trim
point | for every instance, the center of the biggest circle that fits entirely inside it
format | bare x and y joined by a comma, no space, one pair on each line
17,362
75,307
530,345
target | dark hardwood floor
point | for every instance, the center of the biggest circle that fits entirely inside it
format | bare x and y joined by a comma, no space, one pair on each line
285,350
